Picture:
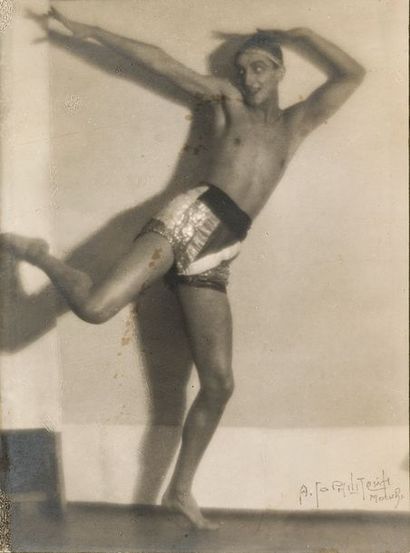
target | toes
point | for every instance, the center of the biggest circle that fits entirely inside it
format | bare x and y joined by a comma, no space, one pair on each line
193,515
23,247
206,524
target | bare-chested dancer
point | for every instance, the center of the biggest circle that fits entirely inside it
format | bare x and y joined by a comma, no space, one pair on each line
199,232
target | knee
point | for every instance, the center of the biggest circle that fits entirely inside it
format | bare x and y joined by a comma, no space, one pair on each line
94,312
219,387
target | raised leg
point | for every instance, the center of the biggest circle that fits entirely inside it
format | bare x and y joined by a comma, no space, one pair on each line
209,327
149,257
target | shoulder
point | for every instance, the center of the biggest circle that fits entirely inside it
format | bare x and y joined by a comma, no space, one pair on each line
231,92
323,102
221,89
294,124
296,119
293,115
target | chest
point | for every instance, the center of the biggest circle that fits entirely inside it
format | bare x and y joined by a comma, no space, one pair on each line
257,143
237,124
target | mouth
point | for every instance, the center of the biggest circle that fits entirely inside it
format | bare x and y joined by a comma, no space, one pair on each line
251,93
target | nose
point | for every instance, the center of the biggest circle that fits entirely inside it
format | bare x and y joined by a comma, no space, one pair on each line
249,79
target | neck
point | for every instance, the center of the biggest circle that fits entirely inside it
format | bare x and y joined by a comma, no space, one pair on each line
269,111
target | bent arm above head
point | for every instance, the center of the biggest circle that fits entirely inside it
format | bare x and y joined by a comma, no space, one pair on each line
153,57
324,54
344,75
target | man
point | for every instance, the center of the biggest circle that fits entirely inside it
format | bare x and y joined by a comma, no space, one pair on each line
196,236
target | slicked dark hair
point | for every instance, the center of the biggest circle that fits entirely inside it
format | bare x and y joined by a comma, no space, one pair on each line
262,41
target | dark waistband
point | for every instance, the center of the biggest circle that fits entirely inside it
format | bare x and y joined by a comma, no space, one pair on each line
227,210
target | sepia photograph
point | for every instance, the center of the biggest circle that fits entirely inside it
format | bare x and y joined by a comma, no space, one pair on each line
204,276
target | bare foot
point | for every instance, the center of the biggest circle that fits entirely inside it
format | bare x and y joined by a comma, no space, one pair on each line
29,249
185,504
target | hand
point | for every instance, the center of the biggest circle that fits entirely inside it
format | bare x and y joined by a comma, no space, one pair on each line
79,30
229,36
40,19
298,32
286,37
279,36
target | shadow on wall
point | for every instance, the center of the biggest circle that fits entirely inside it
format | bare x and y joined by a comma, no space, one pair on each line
25,317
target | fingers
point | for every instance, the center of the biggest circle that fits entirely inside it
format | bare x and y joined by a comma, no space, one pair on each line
40,19
221,34
275,34
271,32
55,14
30,14
227,36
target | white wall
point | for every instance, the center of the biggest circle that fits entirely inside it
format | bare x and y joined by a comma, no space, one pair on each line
250,468
30,378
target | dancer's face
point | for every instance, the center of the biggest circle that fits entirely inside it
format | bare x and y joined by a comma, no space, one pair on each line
259,76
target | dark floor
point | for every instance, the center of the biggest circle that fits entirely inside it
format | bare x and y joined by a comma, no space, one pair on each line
99,528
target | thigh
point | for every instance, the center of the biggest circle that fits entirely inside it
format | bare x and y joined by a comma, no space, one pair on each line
208,320
149,258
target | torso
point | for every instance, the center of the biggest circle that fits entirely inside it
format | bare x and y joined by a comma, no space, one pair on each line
249,155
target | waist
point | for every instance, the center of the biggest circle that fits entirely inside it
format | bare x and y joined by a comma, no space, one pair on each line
227,210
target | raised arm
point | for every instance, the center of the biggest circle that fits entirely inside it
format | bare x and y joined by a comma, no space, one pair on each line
154,58
344,75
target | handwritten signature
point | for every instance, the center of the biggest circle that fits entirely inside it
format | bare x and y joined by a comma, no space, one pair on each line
377,490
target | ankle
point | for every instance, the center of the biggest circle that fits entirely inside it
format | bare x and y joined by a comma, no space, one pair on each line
178,491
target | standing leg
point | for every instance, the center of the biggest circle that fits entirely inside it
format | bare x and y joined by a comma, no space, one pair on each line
149,258
209,328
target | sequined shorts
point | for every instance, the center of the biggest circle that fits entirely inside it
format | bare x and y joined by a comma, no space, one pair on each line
205,229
